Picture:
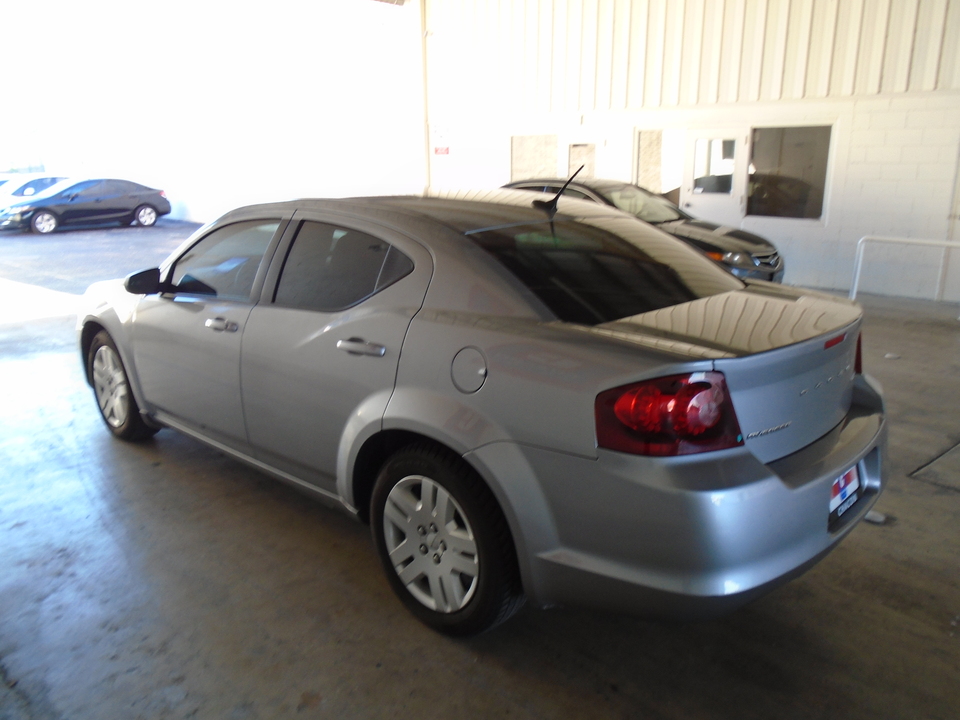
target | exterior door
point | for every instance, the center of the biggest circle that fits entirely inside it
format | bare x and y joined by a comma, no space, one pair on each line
187,343
715,175
325,348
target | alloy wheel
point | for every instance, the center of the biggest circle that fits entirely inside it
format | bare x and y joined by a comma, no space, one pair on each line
110,386
431,544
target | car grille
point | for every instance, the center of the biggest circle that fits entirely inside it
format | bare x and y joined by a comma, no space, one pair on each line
771,261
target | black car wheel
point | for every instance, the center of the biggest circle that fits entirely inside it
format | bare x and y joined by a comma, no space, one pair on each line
118,407
145,216
444,543
44,222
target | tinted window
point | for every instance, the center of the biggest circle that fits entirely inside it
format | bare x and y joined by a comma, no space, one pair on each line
92,190
330,268
225,262
612,269
788,171
81,188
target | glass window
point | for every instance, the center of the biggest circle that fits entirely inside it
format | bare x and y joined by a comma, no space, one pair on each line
81,188
713,163
788,171
331,268
646,206
92,190
608,270
570,192
225,262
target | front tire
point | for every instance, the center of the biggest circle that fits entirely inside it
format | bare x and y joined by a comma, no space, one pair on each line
111,386
145,216
44,222
444,542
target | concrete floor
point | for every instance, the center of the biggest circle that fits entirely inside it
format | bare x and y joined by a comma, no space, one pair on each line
165,581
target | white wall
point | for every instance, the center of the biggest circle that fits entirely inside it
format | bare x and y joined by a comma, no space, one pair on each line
220,104
884,74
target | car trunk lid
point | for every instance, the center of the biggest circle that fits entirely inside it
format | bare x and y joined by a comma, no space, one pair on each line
788,358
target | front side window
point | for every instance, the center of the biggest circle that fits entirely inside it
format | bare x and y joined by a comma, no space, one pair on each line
331,268
788,171
224,263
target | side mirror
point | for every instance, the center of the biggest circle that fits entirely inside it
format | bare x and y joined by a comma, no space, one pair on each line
145,282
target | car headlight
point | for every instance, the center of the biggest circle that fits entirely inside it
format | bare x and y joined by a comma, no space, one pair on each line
738,259
19,210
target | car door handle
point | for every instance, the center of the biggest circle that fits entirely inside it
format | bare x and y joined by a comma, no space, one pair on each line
221,325
359,346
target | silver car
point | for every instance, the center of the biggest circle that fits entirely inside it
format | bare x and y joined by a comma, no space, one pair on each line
524,400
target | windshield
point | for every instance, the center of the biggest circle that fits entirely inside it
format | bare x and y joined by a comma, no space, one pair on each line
646,206
609,269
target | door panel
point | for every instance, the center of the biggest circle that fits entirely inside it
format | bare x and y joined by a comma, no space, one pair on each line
187,345
187,355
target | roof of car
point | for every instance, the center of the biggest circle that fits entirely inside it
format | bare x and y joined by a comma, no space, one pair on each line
463,211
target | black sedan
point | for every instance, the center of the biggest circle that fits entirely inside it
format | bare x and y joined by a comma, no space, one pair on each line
81,202
744,254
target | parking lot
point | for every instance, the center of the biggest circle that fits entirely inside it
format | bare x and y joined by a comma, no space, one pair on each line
165,580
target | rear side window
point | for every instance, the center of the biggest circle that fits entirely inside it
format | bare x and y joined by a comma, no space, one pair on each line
592,274
331,268
224,263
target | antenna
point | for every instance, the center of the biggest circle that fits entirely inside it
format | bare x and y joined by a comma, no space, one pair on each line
550,206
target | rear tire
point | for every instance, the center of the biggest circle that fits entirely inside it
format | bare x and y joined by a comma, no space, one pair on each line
444,542
44,222
111,386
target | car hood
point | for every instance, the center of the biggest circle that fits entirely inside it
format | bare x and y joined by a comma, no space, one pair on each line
754,320
719,237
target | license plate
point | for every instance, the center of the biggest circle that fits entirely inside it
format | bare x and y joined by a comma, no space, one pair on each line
844,494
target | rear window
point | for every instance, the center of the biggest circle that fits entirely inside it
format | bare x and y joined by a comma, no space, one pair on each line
611,269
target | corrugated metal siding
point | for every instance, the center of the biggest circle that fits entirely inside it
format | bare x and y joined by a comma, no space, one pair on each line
587,55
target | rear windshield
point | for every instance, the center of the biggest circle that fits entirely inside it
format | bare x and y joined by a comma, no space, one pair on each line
610,269
647,207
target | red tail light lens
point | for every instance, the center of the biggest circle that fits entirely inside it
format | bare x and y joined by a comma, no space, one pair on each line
674,415
858,363
163,194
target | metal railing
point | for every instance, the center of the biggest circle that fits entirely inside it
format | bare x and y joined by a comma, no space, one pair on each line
862,244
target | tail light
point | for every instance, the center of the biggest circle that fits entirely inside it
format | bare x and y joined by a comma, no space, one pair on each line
858,363
163,194
674,415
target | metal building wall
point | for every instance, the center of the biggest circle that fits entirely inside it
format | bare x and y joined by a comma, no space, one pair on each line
595,55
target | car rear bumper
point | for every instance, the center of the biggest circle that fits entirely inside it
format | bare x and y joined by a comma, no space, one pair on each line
694,536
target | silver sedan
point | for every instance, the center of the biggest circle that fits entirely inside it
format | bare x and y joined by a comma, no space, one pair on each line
524,399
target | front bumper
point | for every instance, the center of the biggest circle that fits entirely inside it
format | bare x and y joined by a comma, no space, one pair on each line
774,274
693,536
16,222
